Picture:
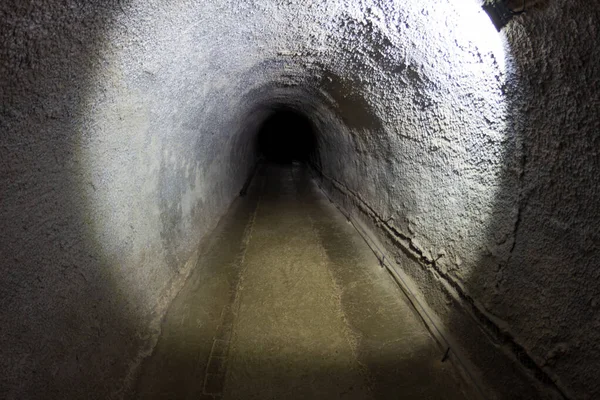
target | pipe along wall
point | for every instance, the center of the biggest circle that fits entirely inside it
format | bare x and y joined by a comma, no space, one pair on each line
128,127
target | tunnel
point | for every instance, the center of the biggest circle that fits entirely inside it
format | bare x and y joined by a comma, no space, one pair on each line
293,199
286,136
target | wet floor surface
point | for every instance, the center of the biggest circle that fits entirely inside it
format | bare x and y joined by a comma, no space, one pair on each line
288,302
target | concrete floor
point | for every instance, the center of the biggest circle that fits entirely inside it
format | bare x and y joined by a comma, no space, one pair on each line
287,301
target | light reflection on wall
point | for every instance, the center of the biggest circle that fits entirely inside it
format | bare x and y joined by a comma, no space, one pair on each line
474,25
152,157
459,67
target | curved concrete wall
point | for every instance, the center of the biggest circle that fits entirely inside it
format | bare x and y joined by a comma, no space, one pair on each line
128,128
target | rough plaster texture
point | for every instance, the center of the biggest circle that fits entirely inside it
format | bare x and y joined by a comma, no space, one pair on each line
127,129
553,272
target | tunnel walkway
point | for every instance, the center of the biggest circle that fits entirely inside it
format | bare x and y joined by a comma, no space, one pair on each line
287,301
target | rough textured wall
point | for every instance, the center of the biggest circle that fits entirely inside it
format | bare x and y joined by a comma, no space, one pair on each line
549,290
118,153
482,173
436,165
127,129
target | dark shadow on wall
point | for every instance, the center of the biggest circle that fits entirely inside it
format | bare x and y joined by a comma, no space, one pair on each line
66,331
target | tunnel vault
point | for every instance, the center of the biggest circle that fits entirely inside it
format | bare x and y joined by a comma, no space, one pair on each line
469,155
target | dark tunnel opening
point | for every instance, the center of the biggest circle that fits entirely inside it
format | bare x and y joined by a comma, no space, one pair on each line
286,136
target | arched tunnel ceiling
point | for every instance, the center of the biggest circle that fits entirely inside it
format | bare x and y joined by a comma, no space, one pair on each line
129,127
192,85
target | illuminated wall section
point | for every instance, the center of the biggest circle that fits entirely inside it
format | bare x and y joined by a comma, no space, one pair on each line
128,129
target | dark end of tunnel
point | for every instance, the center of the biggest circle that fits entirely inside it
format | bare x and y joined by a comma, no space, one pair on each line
286,136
